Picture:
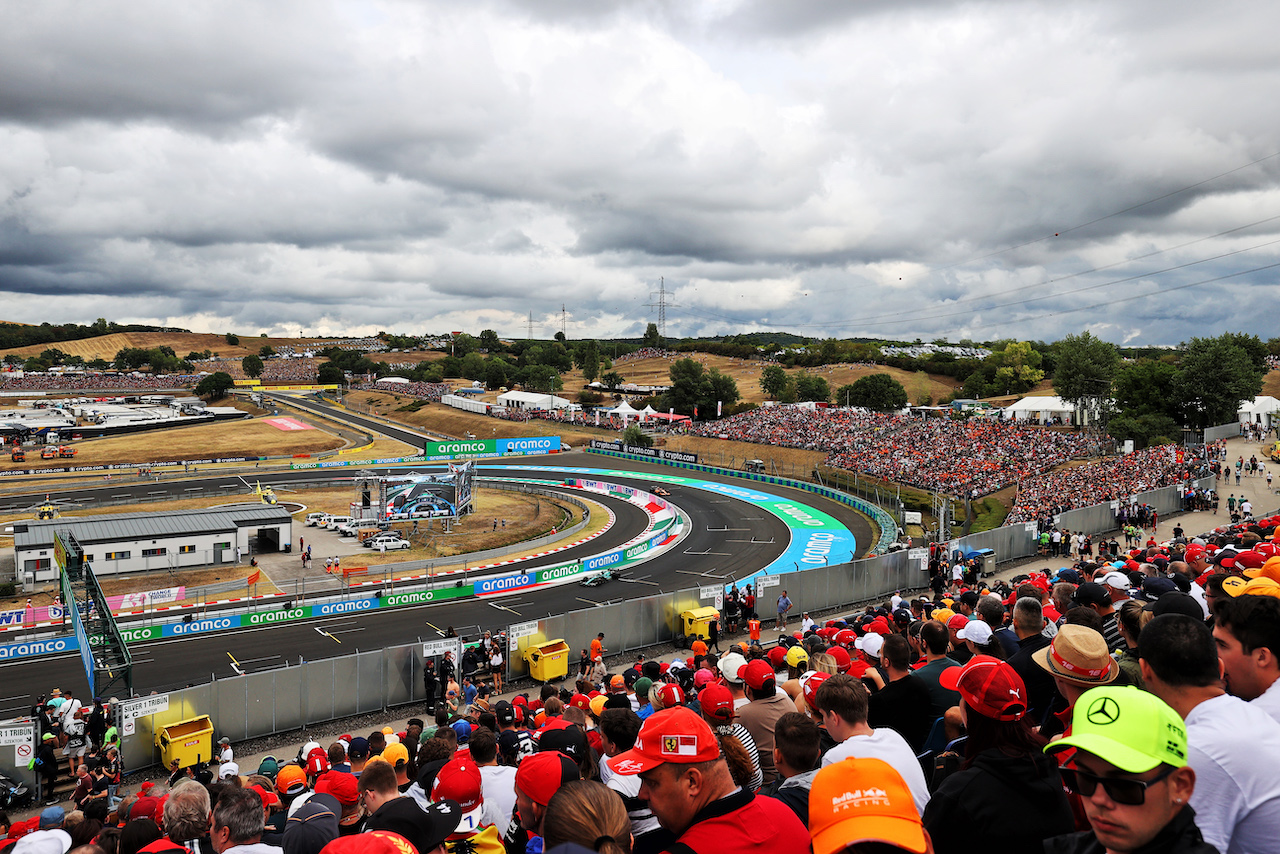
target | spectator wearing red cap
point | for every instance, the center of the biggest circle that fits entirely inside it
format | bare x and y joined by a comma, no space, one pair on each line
344,789
537,779
460,781
1007,792
717,706
842,700
691,791
765,705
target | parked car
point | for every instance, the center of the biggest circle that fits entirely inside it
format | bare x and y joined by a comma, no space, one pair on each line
314,519
383,542
335,521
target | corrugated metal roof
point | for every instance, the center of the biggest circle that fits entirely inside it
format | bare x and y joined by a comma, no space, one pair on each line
149,526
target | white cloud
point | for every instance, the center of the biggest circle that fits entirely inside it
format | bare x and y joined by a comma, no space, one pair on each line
896,169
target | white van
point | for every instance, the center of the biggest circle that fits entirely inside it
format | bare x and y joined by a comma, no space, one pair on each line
334,522
314,519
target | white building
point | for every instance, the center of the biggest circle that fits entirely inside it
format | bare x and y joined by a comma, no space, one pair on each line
1264,410
139,542
533,400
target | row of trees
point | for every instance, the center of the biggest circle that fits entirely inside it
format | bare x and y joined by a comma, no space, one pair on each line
1150,399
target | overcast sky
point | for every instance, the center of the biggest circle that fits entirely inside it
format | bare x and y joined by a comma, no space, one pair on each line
894,168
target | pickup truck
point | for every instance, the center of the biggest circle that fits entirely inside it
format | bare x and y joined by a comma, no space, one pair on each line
48,453
18,455
66,451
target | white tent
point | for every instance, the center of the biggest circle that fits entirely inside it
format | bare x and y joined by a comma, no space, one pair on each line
1264,410
647,413
625,411
1040,410
533,400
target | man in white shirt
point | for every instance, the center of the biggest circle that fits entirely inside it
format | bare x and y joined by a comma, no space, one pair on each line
1247,632
806,622
498,782
1233,746
841,702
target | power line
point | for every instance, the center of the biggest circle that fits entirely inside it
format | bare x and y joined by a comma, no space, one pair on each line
1105,217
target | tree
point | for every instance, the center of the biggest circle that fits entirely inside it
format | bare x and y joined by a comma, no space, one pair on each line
587,358
215,385
1017,367
560,337
1147,387
252,366
1214,376
773,381
233,340
474,367
490,341
266,351
651,337
693,388
495,373
636,438
814,388
331,374
879,392
613,379
1085,371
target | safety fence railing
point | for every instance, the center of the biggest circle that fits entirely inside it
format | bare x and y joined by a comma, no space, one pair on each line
884,522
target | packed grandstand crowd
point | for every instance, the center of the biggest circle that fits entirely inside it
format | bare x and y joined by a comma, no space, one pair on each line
1085,711
971,457
1111,479
427,391
284,370
646,353
75,382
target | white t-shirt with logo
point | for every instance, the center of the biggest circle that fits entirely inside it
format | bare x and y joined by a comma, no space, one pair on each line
887,745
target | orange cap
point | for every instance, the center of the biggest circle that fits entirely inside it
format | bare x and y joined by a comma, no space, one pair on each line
862,800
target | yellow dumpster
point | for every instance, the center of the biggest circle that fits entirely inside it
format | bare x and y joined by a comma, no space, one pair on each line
190,742
693,624
549,660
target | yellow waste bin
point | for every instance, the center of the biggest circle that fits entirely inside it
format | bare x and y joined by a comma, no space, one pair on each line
694,624
190,742
549,660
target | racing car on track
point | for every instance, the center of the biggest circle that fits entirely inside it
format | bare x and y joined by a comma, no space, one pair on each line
598,578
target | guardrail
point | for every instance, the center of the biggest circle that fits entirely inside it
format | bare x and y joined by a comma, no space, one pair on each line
884,522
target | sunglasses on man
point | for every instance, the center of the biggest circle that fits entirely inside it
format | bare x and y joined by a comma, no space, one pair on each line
1122,790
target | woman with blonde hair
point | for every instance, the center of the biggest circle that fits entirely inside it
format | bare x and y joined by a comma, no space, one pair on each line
589,814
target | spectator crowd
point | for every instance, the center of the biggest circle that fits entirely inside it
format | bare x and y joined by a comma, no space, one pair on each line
1121,705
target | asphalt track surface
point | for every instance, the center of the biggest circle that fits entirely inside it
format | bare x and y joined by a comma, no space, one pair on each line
172,663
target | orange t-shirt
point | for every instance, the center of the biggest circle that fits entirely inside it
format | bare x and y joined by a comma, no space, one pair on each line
753,626
597,648
698,647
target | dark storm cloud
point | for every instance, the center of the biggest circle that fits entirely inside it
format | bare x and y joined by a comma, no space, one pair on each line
899,169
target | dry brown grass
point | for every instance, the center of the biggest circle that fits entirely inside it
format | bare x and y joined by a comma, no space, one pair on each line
106,346
221,439
746,373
